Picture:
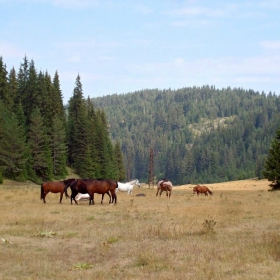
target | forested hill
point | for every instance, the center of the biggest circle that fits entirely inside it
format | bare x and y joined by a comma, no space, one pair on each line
198,134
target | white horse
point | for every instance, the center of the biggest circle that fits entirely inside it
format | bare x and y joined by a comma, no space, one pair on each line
85,196
82,196
127,187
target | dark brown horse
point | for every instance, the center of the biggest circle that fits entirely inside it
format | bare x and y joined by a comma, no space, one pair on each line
201,189
55,187
164,185
92,186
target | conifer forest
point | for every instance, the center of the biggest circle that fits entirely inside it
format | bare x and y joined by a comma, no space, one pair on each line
39,138
196,134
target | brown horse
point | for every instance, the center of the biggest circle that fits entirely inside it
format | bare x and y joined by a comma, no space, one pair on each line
164,185
201,189
55,187
92,186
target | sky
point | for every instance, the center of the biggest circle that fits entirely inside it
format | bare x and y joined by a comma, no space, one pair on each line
121,46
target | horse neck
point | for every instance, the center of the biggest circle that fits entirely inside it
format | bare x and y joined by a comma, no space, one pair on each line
132,182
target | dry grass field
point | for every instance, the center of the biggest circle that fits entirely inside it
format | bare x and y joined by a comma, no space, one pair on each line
234,234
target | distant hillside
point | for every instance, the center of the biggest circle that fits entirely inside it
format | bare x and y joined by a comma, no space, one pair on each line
198,134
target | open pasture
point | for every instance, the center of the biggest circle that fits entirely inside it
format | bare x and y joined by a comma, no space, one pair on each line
234,234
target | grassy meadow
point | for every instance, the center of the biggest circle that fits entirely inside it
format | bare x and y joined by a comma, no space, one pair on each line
234,234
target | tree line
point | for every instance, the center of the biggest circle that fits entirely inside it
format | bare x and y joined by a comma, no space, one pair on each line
39,138
197,134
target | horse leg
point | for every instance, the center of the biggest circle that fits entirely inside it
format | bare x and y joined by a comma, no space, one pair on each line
110,197
157,192
91,199
73,197
61,195
44,196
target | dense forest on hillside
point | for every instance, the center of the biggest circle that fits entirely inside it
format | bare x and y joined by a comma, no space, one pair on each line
38,139
197,134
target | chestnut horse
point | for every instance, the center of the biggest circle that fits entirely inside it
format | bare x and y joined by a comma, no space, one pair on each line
164,185
201,189
55,187
91,186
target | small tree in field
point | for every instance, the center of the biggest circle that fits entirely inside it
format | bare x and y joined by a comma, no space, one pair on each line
272,163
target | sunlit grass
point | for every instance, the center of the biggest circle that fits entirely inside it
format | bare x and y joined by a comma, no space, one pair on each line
232,235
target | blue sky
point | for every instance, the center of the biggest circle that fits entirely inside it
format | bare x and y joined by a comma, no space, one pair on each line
122,46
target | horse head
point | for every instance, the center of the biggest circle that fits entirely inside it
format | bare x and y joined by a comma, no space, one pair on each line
137,183
68,182
195,189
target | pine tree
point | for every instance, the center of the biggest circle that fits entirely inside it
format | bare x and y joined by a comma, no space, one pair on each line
58,148
58,98
39,146
77,128
4,92
13,87
13,148
22,80
272,163
119,163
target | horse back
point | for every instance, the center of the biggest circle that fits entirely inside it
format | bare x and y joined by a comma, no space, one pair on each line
53,186
99,186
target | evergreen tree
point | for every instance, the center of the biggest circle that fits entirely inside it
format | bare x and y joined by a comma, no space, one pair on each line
119,163
4,92
272,163
22,82
39,146
13,87
58,98
77,128
58,148
88,170
13,149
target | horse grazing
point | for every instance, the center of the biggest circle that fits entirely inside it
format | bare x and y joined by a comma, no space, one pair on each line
82,196
91,186
85,196
164,185
128,187
201,189
55,187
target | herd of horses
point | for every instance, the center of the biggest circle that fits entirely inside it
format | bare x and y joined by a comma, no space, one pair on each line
86,188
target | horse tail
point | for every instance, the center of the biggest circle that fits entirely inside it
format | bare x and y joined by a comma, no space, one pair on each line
210,192
65,190
42,191
117,185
